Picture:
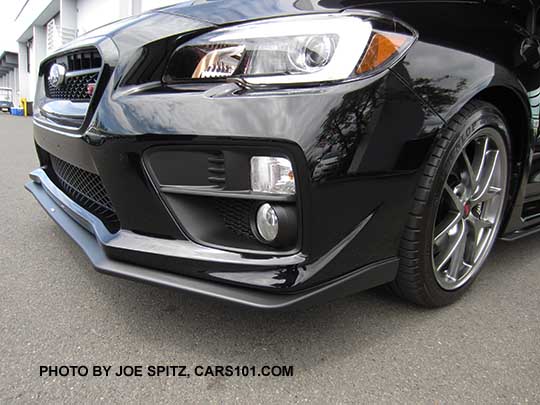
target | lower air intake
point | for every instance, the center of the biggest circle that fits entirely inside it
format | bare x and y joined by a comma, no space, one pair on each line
87,190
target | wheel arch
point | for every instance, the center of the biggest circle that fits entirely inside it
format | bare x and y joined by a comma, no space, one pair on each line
514,105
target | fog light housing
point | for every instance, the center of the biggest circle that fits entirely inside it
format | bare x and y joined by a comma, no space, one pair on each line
276,225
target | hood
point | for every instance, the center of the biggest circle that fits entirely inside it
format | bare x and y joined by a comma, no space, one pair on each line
123,37
131,33
219,12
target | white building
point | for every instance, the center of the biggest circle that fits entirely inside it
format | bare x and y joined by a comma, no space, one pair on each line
42,26
9,72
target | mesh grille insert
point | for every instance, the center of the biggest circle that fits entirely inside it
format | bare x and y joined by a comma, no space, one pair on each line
87,190
236,215
75,88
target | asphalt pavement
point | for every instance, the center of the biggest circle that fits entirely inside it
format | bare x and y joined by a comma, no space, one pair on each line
367,348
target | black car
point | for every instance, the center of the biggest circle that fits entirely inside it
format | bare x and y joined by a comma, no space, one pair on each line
282,152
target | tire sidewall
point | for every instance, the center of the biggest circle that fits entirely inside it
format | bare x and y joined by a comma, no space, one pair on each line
485,117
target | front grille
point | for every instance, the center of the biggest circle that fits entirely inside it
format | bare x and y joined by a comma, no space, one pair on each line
81,60
236,214
82,68
75,88
87,190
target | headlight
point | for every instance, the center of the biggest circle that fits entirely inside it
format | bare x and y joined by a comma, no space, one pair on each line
288,50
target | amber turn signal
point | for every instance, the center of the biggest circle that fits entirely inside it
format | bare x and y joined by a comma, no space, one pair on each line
382,47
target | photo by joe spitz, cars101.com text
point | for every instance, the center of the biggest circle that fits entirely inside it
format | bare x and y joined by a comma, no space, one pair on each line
278,154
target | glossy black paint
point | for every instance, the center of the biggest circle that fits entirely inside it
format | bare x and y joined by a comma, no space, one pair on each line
358,146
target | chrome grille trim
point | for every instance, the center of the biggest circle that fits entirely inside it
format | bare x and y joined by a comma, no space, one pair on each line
82,72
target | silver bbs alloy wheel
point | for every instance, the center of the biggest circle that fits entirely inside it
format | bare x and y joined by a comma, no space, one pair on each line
470,211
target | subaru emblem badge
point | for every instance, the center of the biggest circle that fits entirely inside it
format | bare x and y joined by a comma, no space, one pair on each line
57,74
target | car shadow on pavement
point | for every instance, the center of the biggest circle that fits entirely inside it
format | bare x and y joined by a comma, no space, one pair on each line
164,318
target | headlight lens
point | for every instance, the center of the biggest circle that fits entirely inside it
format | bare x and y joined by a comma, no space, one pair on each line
305,49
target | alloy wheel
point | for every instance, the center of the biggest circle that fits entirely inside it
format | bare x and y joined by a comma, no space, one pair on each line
470,211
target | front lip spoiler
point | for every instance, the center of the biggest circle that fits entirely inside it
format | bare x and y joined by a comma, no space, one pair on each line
89,233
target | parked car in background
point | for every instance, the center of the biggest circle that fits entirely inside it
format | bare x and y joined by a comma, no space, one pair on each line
6,99
278,153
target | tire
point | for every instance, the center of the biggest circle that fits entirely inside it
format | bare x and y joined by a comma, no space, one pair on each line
430,235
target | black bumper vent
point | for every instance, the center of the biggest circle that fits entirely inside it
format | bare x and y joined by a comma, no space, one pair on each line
236,215
87,190
216,169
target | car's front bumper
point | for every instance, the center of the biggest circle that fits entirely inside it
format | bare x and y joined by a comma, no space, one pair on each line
93,237
354,146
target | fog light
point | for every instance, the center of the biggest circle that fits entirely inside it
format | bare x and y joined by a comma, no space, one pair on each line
267,222
276,225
